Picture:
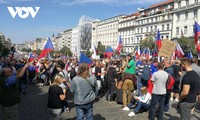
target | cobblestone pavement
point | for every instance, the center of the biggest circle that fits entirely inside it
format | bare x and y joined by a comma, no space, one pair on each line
33,106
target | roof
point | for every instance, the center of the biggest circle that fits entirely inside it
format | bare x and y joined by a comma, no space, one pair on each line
161,4
134,14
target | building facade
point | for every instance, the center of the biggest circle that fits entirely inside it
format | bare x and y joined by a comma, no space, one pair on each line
185,13
145,23
106,31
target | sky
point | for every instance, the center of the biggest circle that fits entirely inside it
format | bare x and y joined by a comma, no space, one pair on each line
55,16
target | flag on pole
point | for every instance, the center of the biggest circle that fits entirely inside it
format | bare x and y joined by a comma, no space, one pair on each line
158,40
47,48
138,53
146,53
119,45
109,51
196,36
94,50
189,55
155,53
84,58
31,57
178,51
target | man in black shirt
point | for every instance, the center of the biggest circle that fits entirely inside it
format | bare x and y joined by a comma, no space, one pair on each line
189,89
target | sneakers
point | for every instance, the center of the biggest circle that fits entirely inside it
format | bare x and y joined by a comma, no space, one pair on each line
126,109
131,114
171,99
176,100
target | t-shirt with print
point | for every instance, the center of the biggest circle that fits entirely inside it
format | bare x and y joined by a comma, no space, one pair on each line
159,78
191,78
54,101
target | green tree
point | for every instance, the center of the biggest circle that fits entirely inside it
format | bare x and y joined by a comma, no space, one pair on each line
38,51
148,42
187,44
26,50
100,48
88,53
66,51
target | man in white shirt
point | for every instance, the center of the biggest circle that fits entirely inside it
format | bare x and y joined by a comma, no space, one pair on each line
159,80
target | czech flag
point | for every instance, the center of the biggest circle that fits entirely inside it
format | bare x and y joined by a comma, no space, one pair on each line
155,53
31,57
138,53
84,58
109,51
178,51
47,48
95,52
146,53
158,40
196,36
119,45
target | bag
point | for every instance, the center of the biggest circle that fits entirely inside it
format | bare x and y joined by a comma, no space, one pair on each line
146,73
170,82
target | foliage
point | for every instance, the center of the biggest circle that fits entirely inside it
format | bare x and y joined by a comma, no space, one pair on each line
187,44
26,50
88,53
38,51
66,51
4,51
148,42
100,48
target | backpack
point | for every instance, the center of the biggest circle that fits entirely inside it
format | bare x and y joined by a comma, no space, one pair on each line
146,73
170,82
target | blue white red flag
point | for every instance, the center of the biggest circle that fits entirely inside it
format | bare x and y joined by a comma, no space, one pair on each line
196,36
109,51
47,48
84,58
178,51
158,40
119,45
31,57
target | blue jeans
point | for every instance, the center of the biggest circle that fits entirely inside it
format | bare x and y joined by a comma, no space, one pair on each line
84,110
152,112
141,105
167,97
110,92
139,84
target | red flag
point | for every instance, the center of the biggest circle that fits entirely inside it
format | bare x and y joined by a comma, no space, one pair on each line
158,40
47,48
196,36
119,45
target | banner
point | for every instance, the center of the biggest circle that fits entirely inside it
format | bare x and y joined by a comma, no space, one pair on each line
167,48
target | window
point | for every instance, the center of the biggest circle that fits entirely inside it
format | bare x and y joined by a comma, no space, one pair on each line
178,17
186,15
167,26
187,2
138,30
151,28
185,29
179,4
195,13
155,28
163,27
141,30
147,29
177,30
196,1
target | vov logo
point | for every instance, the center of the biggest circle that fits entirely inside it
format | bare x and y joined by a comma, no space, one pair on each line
23,12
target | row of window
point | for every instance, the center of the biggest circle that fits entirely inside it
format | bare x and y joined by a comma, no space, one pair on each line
107,27
186,15
184,31
187,2
109,20
107,35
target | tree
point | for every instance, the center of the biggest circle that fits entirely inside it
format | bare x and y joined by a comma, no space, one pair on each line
26,50
88,53
187,44
38,51
148,42
100,48
66,51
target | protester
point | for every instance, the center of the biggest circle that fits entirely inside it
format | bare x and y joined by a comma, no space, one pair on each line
56,96
159,80
10,92
129,80
83,86
189,88
143,102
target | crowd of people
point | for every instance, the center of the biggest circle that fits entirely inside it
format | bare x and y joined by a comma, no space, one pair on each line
139,85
